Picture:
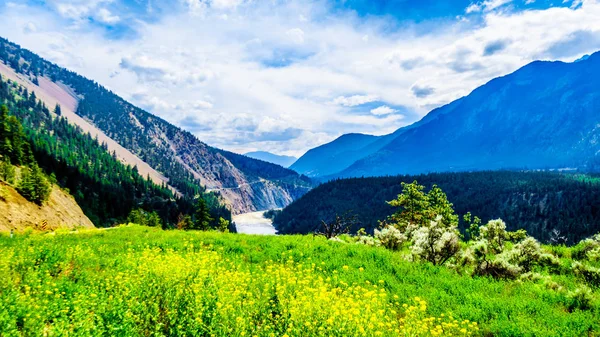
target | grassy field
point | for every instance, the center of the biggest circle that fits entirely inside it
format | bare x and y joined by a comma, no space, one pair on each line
139,281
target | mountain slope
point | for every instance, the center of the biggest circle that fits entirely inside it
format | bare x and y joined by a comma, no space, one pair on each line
280,160
185,162
544,115
334,156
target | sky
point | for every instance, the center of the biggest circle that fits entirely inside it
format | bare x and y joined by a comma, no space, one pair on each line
287,75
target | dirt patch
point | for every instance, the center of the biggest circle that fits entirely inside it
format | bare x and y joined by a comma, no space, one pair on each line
60,211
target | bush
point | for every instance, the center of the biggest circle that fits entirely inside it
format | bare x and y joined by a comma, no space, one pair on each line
590,274
526,254
499,268
390,237
581,299
141,217
495,233
435,243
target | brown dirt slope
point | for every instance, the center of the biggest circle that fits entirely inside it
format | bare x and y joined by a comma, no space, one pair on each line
60,211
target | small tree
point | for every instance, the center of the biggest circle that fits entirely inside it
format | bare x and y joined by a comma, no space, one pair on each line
413,206
339,225
184,222
34,186
438,205
57,110
472,224
223,225
202,218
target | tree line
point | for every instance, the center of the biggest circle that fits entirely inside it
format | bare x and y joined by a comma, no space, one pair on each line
549,205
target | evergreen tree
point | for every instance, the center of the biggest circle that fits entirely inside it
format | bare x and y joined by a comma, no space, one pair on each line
33,186
57,110
413,204
7,171
202,218
439,205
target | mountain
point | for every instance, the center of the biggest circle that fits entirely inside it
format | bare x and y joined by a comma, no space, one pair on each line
284,161
165,153
334,156
542,116
542,203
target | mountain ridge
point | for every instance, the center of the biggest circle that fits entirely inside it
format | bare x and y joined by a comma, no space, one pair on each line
542,116
281,160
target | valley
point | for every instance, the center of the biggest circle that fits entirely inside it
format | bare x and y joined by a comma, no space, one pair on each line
326,168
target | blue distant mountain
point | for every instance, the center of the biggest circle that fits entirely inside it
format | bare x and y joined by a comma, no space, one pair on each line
545,115
284,161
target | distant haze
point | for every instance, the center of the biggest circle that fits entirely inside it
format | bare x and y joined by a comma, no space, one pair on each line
285,161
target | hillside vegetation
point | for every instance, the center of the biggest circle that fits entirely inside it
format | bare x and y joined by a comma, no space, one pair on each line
549,205
140,281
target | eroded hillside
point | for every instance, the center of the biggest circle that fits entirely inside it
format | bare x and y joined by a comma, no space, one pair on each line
60,211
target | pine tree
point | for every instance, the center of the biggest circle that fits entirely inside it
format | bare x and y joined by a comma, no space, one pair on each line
202,218
33,186
57,110
439,205
413,204
7,171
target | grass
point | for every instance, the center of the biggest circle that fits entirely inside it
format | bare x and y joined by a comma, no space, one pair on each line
139,281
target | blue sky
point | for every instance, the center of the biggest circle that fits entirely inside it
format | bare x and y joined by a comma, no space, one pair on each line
287,75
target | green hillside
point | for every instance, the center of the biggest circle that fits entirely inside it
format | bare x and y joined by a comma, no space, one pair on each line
140,281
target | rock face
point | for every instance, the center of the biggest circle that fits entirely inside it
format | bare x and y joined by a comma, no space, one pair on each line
60,211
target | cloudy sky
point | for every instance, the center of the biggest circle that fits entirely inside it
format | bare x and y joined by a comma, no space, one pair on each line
287,75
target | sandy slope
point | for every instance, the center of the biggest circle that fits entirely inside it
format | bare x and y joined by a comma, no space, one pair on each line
60,211
51,93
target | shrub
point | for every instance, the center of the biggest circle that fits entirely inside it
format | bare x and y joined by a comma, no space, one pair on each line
499,268
581,299
368,241
526,254
495,233
435,243
516,236
590,274
390,237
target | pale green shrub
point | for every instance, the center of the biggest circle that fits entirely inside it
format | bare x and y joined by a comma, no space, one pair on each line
390,237
495,233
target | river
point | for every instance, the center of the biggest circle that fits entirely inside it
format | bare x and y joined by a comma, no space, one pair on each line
254,223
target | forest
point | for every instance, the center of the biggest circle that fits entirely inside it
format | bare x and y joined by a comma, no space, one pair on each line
106,189
551,206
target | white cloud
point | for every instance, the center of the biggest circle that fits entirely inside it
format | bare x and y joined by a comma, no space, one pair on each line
355,100
219,78
296,35
383,110
104,15
487,5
